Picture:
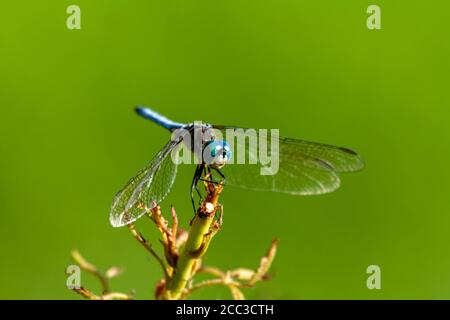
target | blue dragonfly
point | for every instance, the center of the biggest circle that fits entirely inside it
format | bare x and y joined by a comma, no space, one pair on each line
305,168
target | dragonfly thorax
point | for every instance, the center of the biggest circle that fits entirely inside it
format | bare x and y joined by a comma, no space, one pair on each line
207,144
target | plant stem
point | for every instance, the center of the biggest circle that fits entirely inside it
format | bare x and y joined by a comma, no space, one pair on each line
138,236
196,245
186,262
87,266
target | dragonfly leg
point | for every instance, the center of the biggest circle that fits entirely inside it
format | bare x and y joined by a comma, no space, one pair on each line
209,177
197,176
221,174
207,180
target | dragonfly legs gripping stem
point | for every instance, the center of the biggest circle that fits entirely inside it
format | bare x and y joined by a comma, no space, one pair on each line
199,171
203,173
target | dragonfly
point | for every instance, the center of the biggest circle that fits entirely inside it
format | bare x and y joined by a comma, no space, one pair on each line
304,168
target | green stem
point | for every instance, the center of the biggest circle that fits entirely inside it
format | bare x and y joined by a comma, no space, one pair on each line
186,262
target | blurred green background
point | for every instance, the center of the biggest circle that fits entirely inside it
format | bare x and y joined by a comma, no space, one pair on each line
70,139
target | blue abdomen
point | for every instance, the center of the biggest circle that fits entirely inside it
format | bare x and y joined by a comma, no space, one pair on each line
158,118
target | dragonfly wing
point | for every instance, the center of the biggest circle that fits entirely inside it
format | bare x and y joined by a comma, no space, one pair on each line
305,168
341,159
152,183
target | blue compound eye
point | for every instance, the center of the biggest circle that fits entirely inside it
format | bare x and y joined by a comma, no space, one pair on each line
217,152
214,151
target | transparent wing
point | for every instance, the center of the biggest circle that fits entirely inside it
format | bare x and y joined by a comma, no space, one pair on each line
304,168
152,183
338,158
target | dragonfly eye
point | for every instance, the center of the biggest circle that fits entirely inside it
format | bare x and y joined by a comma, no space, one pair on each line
217,152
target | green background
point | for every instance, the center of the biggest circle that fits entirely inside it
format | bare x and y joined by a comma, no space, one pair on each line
69,138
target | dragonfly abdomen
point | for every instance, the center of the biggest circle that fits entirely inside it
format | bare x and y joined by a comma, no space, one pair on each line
158,118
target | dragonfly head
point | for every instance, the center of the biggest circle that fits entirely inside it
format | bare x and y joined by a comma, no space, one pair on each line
216,153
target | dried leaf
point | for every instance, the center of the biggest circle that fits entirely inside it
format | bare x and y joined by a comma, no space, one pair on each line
265,263
242,274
